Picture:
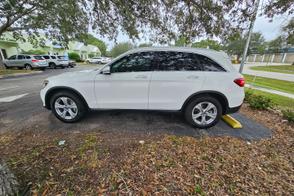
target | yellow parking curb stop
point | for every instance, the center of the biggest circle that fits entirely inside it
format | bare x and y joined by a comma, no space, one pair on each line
232,121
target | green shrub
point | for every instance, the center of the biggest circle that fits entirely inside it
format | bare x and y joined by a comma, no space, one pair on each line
259,102
74,56
288,114
248,94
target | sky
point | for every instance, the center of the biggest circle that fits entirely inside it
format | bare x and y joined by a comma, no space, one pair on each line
269,29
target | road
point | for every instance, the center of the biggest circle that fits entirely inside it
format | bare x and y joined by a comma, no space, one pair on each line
21,110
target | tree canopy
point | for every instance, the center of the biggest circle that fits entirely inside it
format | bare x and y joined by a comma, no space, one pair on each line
208,43
162,19
90,39
120,48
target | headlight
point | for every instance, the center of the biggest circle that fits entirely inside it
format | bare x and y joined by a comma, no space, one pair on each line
45,83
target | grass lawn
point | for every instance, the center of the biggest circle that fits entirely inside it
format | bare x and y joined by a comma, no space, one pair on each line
280,85
288,69
280,102
13,71
112,163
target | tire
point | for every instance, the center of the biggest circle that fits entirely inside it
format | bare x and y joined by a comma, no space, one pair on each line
198,106
52,65
78,109
28,67
6,67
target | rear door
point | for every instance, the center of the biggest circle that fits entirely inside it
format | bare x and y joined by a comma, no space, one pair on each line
177,76
20,61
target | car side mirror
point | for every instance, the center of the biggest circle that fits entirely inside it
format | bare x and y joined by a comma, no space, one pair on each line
106,71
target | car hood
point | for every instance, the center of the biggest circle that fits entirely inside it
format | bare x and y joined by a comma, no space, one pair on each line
76,75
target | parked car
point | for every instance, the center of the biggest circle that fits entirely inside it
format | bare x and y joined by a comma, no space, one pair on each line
201,83
54,61
63,60
26,61
72,63
98,60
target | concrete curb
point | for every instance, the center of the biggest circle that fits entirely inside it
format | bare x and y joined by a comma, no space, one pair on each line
19,74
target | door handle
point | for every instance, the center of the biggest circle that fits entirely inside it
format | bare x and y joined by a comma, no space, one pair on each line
192,77
141,77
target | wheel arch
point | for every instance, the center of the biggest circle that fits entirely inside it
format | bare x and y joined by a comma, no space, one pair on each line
217,95
55,90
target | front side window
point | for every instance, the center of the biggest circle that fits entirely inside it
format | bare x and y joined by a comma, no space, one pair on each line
12,57
134,63
53,57
177,61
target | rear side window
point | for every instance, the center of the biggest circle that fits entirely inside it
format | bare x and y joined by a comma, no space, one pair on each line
142,61
182,61
28,57
38,57
53,57
20,57
46,57
177,61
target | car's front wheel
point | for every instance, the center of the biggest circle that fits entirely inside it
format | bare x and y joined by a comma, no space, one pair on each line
203,112
67,106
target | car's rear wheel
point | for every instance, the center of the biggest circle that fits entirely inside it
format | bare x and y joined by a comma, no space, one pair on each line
203,112
28,67
52,65
67,106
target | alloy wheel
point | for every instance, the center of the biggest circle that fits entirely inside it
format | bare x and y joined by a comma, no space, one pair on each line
66,108
204,113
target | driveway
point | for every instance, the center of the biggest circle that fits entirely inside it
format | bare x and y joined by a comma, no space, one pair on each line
21,109
266,74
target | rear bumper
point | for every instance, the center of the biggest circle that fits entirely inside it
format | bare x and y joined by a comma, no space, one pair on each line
232,110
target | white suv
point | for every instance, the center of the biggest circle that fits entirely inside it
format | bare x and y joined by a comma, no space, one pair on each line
199,82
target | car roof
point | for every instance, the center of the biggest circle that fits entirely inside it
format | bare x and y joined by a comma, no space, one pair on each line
219,56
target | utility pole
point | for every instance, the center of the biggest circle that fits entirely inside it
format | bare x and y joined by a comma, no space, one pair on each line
249,35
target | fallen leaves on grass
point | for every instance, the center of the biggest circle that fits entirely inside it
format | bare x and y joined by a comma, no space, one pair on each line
95,163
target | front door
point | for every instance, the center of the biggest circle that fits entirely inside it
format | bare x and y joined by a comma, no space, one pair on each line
126,87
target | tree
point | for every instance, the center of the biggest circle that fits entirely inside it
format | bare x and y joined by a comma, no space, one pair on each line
288,31
60,20
90,39
145,45
120,48
208,43
74,56
257,43
34,52
166,19
234,44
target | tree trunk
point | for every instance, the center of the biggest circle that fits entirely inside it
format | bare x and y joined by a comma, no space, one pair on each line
8,183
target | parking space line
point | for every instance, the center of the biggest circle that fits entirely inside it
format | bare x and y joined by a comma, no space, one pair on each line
12,98
7,88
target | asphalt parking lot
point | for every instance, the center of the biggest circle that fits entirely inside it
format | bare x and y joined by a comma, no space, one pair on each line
21,109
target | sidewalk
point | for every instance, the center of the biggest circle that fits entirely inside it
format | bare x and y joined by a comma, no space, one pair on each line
289,95
266,74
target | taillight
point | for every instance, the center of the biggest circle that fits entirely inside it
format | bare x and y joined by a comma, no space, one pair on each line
35,61
240,82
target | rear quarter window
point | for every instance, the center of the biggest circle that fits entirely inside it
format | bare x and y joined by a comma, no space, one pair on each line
38,57
209,65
